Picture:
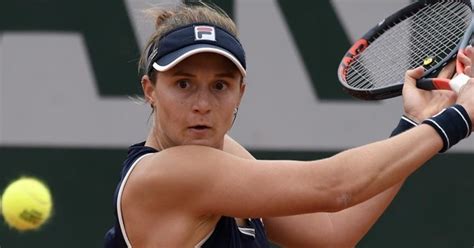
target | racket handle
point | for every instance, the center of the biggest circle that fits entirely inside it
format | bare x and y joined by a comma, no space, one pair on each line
433,84
454,84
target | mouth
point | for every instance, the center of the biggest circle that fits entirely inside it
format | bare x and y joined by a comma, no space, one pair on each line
199,127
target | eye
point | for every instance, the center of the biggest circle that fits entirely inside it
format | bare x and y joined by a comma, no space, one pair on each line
183,84
220,85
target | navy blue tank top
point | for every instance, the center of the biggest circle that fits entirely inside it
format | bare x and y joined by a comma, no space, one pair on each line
225,234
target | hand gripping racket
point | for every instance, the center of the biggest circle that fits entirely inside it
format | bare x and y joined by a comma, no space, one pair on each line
427,33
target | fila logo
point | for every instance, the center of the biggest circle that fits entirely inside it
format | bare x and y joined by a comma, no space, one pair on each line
204,33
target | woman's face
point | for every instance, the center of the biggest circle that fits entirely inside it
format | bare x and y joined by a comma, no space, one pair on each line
195,101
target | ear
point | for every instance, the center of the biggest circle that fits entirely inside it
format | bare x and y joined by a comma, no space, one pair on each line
148,89
242,91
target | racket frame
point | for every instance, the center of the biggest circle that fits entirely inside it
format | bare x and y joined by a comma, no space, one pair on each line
383,26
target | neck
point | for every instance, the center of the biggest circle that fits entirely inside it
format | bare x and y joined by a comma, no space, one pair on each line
152,140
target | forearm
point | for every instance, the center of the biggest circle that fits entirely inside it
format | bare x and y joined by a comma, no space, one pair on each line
383,165
340,229
356,221
361,173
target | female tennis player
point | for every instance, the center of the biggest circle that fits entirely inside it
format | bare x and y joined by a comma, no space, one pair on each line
190,185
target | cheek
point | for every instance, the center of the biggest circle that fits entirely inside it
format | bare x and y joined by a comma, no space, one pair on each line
227,110
170,110
233,101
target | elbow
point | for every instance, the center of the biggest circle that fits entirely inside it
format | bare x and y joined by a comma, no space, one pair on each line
339,201
336,195
343,200
335,191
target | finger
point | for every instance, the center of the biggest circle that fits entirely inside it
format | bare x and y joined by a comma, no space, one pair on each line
412,75
464,59
467,70
448,70
469,51
416,73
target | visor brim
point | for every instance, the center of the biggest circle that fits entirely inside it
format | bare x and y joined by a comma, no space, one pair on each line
168,61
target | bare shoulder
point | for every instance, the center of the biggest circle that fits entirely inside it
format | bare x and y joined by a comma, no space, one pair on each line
159,194
166,168
174,175
233,147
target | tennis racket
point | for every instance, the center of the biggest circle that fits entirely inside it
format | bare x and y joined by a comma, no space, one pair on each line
426,33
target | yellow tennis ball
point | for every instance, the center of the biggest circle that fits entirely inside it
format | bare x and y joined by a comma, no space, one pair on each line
26,204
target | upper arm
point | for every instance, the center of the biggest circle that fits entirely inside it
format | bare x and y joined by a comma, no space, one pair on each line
233,147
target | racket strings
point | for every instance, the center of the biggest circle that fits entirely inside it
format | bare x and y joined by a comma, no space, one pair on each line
407,44
395,35
424,28
454,28
427,46
396,55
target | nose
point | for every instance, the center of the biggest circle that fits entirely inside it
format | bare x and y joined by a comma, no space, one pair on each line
202,102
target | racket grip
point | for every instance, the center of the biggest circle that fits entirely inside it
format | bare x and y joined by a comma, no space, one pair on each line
426,84
433,84
454,84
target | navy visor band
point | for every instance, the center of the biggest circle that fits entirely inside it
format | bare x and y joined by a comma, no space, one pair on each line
180,43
